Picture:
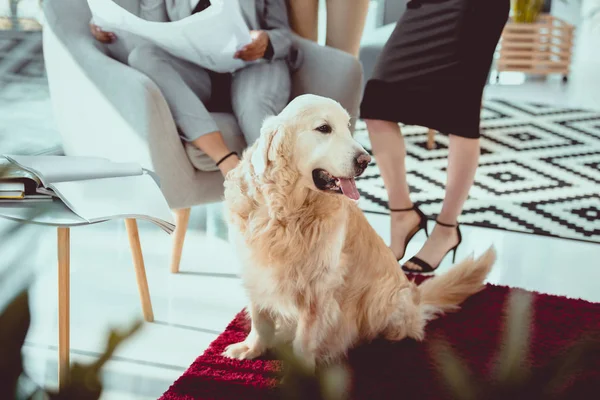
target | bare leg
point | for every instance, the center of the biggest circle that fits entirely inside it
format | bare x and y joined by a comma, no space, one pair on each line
390,152
260,338
463,158
186,87
431,139
214,145
345,24
304,18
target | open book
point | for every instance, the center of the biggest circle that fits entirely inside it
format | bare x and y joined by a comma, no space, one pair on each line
96,189
209,38
17,184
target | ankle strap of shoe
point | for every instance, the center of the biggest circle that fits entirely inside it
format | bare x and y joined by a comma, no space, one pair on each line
403,209
437,221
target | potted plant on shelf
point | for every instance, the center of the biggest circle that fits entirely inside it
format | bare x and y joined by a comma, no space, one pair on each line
526,11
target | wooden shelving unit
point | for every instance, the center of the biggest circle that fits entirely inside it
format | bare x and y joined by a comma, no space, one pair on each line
542,48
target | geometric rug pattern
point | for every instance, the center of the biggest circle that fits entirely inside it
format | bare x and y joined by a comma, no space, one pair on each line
539,171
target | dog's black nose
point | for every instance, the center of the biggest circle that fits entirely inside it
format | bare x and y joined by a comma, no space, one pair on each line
361,162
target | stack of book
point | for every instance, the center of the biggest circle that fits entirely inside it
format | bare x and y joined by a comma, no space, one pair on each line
20,185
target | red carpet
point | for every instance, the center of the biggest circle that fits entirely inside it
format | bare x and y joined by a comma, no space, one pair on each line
384,370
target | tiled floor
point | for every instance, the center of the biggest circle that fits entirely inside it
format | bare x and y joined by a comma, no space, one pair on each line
192,307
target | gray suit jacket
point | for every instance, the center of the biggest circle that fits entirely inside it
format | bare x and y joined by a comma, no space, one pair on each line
268,15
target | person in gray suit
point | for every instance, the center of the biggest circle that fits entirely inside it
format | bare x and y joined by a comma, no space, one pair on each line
258,90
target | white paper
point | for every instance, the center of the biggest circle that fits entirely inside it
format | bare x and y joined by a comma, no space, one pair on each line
209,38
12,186
54,213
124,197
52,169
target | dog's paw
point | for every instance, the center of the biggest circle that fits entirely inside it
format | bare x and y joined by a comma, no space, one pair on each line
243,351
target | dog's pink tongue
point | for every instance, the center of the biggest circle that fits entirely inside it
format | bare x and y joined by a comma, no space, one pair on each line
349,188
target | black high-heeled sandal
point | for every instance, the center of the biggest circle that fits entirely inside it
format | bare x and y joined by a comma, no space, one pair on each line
421,225
425,267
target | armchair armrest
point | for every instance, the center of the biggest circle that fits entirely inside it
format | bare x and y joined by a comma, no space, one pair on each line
328,72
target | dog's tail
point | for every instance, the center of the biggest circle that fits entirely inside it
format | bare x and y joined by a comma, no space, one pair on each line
446,292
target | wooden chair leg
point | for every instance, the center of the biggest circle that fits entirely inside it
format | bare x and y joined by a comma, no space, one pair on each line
140,269
430,139
182,217
63,305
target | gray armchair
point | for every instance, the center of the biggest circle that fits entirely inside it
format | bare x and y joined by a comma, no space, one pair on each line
107,109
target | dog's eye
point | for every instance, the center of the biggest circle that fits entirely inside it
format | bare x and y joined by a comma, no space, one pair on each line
325,128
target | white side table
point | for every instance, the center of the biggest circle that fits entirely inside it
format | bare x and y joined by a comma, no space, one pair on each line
57,214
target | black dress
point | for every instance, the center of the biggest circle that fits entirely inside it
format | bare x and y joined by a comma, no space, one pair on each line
434,67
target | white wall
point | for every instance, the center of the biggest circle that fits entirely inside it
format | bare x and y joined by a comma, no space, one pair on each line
567,10
25,9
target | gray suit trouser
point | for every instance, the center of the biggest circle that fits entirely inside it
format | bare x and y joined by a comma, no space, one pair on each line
257,91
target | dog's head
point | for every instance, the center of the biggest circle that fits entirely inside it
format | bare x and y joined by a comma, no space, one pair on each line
312,137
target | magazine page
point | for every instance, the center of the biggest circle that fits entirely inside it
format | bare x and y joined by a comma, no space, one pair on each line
209,38
110,198
52,169
54,213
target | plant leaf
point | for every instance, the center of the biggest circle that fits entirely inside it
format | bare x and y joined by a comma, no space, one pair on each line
300,382
512,368
453,371
14,324
85,383
335,382
573,359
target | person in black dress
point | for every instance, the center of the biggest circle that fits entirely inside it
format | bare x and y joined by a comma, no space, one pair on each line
431,73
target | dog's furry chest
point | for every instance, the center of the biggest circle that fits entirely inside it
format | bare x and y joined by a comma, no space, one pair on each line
285,269
287,294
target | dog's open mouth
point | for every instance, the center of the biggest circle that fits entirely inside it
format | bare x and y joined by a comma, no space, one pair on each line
325,181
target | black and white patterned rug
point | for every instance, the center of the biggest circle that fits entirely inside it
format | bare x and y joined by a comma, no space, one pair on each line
539,171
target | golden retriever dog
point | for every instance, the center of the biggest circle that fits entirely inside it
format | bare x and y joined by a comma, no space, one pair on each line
317,274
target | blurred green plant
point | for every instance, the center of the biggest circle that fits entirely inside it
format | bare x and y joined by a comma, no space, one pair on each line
299,382
84,382
14,324
512,376
15,319
526,11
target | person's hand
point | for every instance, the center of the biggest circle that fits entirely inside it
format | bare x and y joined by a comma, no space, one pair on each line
102,36
256,49
229,164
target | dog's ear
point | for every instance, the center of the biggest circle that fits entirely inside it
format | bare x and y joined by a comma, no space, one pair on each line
268,146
